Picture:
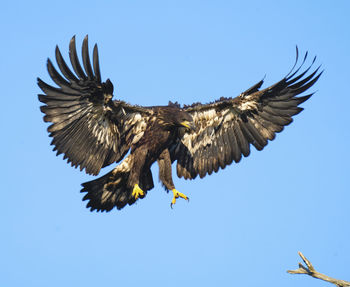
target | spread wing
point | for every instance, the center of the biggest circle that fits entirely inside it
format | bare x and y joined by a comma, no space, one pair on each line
90,129
227,128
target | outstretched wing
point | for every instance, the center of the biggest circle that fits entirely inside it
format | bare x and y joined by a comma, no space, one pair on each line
227,128
89,128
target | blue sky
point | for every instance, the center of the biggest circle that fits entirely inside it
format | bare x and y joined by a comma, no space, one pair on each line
242,226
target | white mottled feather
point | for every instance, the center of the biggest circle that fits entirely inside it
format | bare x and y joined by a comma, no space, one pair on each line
204,120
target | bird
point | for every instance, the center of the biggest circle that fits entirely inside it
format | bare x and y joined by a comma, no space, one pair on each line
92,130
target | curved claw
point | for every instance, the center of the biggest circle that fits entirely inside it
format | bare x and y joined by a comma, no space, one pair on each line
177,195
137,192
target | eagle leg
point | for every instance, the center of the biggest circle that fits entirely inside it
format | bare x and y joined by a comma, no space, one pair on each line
177,195
139,156
164,163
137,192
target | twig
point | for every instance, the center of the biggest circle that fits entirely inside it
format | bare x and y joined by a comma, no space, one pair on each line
310,270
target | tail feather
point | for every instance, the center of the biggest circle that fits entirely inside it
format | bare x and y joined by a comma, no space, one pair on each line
112,190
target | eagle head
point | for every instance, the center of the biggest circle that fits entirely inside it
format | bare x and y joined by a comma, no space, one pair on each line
186,120
175,117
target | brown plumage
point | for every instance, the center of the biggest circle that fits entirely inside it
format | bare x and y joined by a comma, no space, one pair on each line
93,131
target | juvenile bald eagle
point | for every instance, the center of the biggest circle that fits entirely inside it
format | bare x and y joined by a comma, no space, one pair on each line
93,131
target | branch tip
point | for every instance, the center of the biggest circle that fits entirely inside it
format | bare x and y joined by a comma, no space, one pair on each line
310,270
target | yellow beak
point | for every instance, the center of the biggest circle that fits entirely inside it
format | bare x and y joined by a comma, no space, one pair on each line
188,125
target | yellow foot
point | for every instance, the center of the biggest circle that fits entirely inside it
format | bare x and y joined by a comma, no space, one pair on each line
137,191
177,195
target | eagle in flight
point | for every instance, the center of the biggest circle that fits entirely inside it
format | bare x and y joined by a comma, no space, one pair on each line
92,130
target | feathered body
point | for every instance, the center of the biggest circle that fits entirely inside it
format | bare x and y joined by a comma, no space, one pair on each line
93,131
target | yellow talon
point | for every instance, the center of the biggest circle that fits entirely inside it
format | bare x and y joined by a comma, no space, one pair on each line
137,191
177,195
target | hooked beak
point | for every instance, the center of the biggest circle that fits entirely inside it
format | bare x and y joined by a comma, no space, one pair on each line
189,125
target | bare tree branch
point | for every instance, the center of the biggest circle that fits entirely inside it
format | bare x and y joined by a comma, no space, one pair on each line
310,270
